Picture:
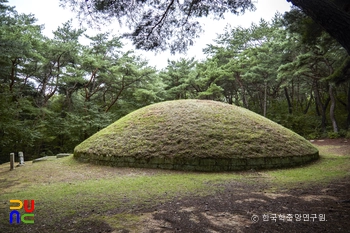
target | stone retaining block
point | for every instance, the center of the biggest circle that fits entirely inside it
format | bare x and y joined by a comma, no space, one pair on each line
199,164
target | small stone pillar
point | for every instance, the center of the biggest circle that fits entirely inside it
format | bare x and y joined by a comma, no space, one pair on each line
12,161
21,158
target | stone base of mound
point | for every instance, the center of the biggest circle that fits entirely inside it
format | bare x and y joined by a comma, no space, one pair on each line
199,164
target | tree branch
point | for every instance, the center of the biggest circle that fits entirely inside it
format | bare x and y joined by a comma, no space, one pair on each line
161,20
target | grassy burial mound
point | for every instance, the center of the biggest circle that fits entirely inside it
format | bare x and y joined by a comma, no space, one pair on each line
196,135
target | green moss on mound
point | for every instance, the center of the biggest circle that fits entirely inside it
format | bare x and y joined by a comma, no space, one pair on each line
196,135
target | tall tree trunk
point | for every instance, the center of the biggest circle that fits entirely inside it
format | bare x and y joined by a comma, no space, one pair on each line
324,117
230,98
332,18
321,107
290,107
348,107
332,108
309,104
265,99
239,80
13,75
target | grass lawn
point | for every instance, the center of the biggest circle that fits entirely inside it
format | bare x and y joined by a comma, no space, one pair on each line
66,191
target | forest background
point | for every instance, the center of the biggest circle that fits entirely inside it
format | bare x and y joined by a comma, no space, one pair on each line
56,92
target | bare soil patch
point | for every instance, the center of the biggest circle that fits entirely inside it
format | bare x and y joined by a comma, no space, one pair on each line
232,209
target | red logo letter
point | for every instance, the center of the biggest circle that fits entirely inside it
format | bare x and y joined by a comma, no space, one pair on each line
26,206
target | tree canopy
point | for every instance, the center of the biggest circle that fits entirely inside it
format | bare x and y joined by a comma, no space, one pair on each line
157,25
172,24
56,92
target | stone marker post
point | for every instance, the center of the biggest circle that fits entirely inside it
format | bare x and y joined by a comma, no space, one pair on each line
12,161
21,158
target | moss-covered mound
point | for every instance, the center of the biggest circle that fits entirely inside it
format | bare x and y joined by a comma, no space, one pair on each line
196,135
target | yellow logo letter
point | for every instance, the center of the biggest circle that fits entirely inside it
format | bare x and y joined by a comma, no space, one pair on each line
16,207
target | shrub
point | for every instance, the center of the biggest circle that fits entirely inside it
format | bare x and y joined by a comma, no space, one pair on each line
333,135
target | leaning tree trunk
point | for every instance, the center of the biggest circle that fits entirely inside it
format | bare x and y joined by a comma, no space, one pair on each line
308,104
333,19
290,107
331,110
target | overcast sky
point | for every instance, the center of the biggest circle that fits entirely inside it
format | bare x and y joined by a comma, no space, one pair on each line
52,16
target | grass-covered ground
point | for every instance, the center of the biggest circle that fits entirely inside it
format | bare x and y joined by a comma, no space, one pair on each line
74,197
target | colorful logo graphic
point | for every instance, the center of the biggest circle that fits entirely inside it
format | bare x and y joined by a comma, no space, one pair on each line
17,214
